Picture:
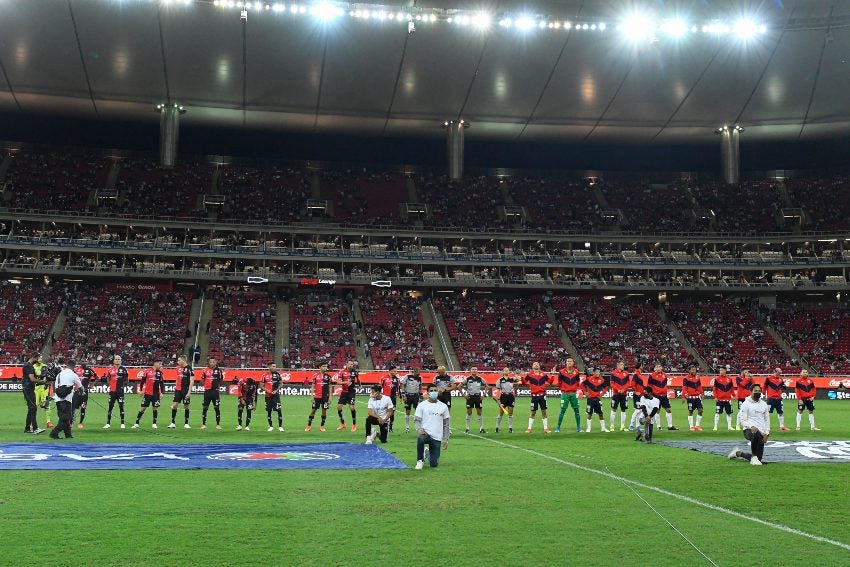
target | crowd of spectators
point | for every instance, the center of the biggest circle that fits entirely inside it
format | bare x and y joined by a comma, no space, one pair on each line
320,332
823,200
144,188
242,328
27,312
820,335
54,181
264,194
395,331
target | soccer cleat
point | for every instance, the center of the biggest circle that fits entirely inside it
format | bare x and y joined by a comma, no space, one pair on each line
419,465
528,430
481,431
79,426
368,440
557,430
280,428
341,427
38,430
187,426
783,428
238,428
611,430
270,428
135,426
497,430
737,428
715,429
217,426
407,430
673,428
798,428
730,429
308,428
107,426
322,428
755,461
698,428
466,431
49,424
510,429
579,430
247,428
733,454
171,426
154,426
815,428
691,429
204,426
353,428
622,428
547,430
123,426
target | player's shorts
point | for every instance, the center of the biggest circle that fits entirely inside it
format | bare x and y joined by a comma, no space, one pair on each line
636,400
80,400
273,403
42,395
446,398
806,404
116,397
182,396
211,397
723,406
151,399
694,404
740,401
320,403
664,401
775,405
618,401
411,401
594,406
538,402
473,401
347,398
242,403
507,400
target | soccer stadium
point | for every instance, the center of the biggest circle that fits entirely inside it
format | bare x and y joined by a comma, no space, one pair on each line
430,282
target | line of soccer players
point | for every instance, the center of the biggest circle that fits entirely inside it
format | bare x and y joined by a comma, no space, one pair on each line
472,387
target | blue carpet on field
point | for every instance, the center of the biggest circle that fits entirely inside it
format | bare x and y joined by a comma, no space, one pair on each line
71,456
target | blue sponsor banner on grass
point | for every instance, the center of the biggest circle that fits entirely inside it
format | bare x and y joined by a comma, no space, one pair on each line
82,456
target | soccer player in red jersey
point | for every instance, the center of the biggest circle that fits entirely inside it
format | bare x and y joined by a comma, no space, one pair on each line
619,391
182,392
246,391
805,390
537,381
81,398
743,387
151,389
638,383
213,377
722,387
569,382
774,385
658,381
117,378
692,394
271,381
389,387
321,384
594,389
348,379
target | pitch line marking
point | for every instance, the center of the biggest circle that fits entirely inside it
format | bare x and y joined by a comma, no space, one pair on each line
681,497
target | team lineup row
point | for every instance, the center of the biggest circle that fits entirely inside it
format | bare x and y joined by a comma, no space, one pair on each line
568,379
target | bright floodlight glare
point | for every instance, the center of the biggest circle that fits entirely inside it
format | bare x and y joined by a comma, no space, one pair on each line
602,26
745,28
674,28
637,27
525,23
506,22
278,7
325,12
481,20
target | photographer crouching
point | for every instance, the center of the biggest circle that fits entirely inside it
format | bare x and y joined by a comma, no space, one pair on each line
63,390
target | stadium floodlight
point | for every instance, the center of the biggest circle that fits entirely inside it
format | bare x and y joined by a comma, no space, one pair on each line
278,7
745,28
325,12
525,23
637,27
674,28
585,27
481,20
506,22
602,26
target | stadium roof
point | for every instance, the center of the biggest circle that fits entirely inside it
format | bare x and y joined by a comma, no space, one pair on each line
279,70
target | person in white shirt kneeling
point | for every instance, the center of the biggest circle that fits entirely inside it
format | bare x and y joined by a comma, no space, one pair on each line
433,426
754,419
381,410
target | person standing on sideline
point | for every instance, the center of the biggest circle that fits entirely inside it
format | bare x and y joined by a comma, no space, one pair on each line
380,410
348,380
638,383
569,382
389,387
537,382
805,389
321,382
81,397
754,417
445,384
46,373
272,381
182,391
743,385
412,387
474,387
722,386
213,377
433,426
246,390
117,378
649,406
619,391
151,390
659,382
30,381
594,389
774,385
63,393
505,395
692,394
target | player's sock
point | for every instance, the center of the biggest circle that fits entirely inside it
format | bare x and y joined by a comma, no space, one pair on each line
121,412
248,418
716,420
613,419
186,415
499,421
728,421
217,416
545,423
310,420
173,415
699,419
239,417
781,420
324,417
155,415
82,415
341,419
279,418
690,421
353,417
139,417
622,419
669,419
812,420
269,416
204,416
602,424
468,419
480,422
588,425
634,420
561,416
109,411
799,418
530,422
407,420
511,421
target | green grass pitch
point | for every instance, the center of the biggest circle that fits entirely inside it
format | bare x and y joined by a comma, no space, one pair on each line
487,503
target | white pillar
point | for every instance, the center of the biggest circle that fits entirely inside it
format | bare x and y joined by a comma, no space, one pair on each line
730,153
454,146
169,132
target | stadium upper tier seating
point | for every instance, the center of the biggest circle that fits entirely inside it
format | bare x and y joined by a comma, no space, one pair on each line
63,181
320,332
396,331
605,331
137,324
494,333
821,335
242,329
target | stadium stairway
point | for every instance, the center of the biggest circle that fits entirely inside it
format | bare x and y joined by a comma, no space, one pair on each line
436,347
4,166
441,342
55,331
412,194
194,325
571,348
366,363
680,336
785,346
281,335
203,333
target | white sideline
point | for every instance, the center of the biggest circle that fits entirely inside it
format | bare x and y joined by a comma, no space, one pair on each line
681,497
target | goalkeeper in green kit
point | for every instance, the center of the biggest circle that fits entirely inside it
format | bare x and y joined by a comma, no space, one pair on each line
569,382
